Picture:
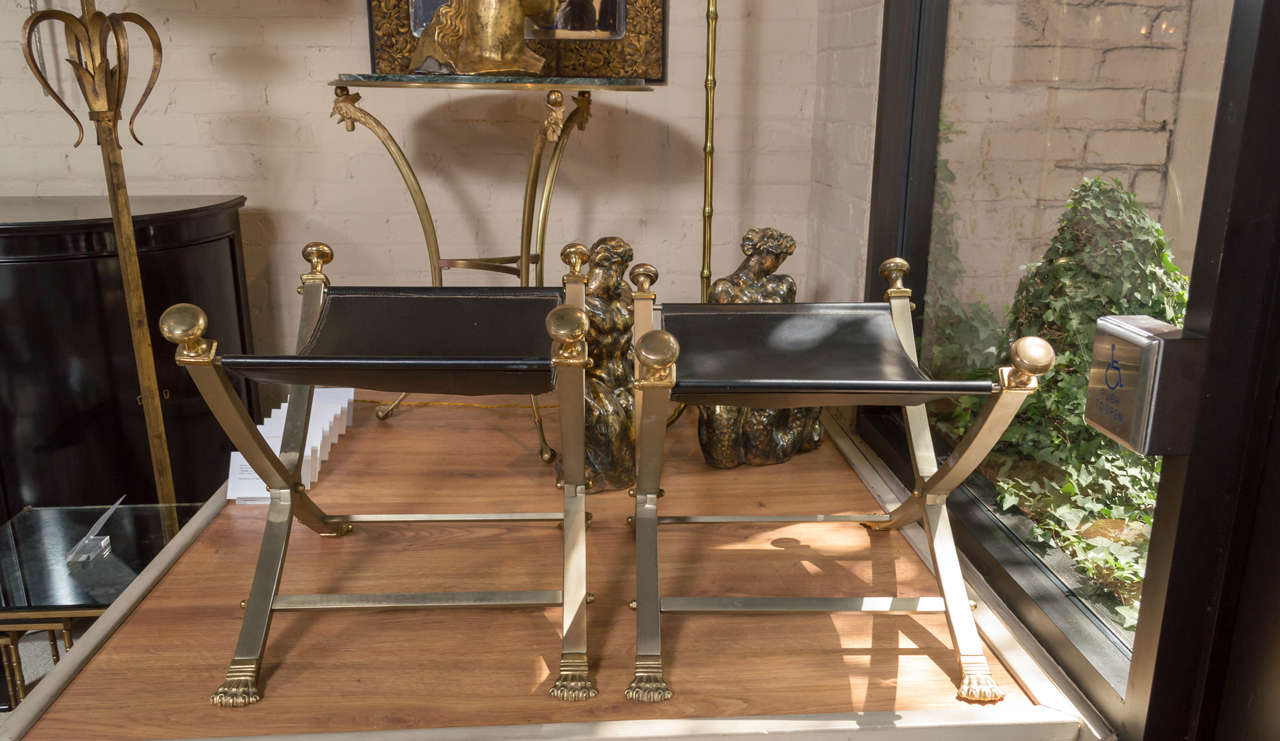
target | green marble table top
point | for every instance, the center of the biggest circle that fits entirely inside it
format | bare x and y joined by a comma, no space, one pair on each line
491,82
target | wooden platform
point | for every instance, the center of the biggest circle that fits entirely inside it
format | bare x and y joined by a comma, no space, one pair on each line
364,670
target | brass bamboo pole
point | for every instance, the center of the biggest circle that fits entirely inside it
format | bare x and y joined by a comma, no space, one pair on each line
102,85
709,148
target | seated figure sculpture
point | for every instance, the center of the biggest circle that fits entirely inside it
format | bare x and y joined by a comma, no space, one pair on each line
611,432
733,435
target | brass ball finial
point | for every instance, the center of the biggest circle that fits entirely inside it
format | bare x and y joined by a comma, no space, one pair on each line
575,255
567,324
318,254
184,325
657,349
644,276
555,98
894,270
1032,356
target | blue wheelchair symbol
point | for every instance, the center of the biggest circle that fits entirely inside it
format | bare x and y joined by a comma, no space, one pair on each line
1113,366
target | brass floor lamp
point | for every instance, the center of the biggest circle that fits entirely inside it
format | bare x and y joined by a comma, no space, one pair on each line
90,38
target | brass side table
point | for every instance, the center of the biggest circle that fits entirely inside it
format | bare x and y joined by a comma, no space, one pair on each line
555,129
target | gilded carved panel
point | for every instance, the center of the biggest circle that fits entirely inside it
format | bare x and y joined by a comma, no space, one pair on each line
640,53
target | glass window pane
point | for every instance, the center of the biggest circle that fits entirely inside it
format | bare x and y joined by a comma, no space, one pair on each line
1072,152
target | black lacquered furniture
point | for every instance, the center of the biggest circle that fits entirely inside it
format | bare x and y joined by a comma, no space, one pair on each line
71,425
802,355
472,342
41,590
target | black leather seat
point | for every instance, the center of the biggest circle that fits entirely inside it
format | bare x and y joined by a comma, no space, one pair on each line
464,341
798,355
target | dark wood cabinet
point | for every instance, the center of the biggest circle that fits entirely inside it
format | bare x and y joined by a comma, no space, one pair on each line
71,423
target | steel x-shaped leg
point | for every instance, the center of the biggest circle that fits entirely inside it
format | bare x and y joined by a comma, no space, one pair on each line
656,352
184,325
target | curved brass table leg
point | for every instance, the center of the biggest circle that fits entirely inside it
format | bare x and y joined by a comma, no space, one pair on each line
581,114
350,114
386,410
545,451
552,126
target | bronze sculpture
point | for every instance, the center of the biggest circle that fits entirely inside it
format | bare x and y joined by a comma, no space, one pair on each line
477,37
610,416
730,435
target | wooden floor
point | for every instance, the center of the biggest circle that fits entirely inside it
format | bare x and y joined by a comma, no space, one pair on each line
353,670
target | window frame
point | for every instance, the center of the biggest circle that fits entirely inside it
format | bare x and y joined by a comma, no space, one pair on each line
1172,679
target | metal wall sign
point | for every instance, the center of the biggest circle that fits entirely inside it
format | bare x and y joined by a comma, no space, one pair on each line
1143,384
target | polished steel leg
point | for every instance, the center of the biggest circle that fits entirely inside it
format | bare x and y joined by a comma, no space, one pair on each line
976,684
241,686
652,400
569,354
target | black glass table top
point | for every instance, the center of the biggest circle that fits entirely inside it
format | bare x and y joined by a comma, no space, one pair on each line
36,576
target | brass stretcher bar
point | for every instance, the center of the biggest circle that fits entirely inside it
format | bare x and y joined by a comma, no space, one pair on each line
802,355
567,325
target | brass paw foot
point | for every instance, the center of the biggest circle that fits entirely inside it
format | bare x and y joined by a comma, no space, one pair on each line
573,684
236,693
979,687
241,687
648,686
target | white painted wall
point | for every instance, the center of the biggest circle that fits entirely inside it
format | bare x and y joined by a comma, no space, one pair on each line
242,106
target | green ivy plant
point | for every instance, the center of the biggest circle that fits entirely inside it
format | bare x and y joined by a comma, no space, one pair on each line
1084,493
960,337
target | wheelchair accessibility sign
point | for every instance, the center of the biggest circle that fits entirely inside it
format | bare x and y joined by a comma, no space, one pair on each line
1112,376
1141,382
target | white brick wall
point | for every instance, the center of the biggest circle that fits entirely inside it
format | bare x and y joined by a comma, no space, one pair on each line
242,106
1048,93
848,61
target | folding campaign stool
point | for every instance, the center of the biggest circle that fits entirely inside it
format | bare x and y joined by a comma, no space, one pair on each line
466,341
800,355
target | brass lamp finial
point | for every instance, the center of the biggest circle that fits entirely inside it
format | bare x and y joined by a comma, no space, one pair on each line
575,255
1031,357
644,276
184,325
